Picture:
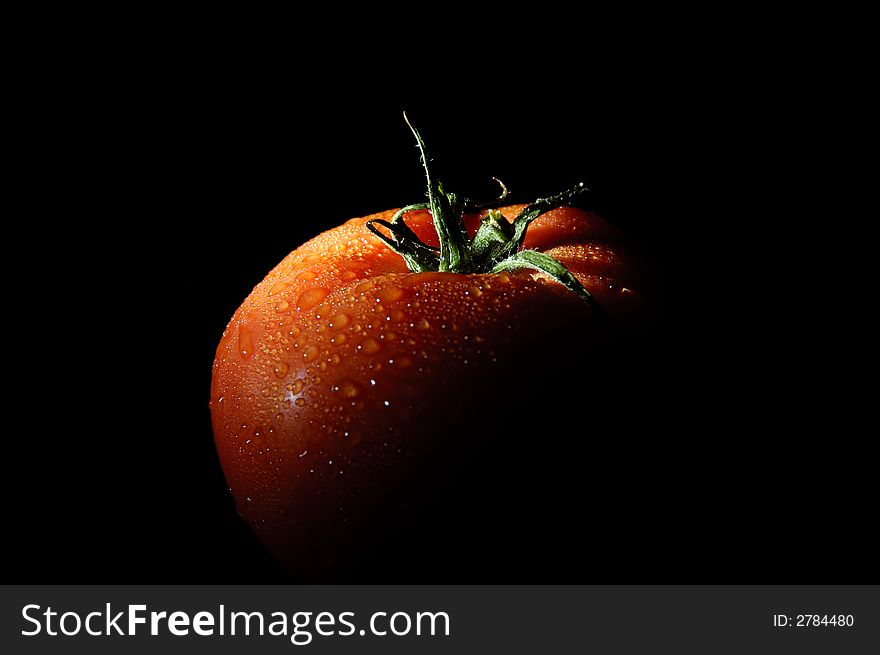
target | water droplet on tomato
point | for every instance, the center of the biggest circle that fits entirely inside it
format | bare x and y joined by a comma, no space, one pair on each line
476,292
300,402
369,346
334,359
348,389
297,386
278,287
245,342
281,306
310,353
339,321
348,275
281,369
311,297
389,294
307,275
423,324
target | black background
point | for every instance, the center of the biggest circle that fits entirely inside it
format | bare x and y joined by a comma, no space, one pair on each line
165,187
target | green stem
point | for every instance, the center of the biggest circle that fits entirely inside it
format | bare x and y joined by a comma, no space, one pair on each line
448,220
497,244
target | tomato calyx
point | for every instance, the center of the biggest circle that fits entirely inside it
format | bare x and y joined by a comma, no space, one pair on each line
497,244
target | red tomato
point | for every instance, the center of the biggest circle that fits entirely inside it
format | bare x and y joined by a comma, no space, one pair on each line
363,412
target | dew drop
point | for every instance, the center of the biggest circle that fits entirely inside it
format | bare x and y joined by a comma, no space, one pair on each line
348,389
334,359
423,324
278,287
297,386
397,314
300,402
281,369
311,297
389,294
348,275
310,353
281,306
339,321
389,336
307,275
369,346
245,342
476,292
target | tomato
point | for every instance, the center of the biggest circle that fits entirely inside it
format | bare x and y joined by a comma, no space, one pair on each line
360,408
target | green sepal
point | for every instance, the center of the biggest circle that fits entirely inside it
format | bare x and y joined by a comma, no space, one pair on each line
546,264
494,229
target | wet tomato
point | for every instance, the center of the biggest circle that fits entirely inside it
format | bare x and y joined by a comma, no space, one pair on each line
377,406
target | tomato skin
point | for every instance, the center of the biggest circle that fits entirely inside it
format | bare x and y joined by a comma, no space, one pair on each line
347,390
